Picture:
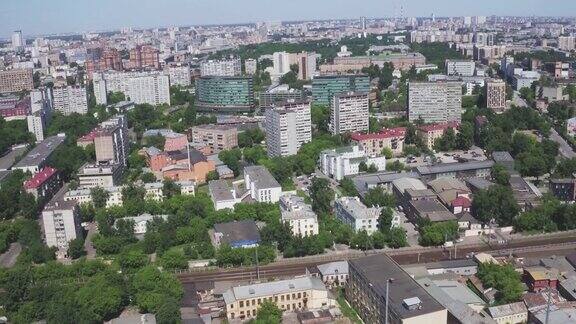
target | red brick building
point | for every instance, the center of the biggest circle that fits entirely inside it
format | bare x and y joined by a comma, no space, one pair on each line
540,278
144,56
103,59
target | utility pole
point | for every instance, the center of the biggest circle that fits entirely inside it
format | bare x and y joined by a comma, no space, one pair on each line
548,305
387,290
257,266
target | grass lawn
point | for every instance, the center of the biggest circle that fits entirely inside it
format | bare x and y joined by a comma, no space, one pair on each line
346,309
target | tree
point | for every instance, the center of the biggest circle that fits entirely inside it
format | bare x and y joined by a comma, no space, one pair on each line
396,238
170,188
372,168
76,248
348,188
322,195
103,296
385,219
269,313
169,311
497,203
500,175
212,175
435,234
131,260
447,142
387,152
465,137
173,259
504,279
361,241
377,197
115,97
148,177
99,197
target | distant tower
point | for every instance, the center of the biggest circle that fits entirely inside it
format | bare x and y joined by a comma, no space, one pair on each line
433,18
363,22
17,40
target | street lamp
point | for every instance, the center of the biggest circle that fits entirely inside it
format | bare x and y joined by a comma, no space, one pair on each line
390,280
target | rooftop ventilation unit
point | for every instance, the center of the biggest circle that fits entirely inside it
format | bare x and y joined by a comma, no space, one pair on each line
412,303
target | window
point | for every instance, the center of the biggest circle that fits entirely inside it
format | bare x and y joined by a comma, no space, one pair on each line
276,298
241,303
299,295
259,301
253,302
288,297
282,298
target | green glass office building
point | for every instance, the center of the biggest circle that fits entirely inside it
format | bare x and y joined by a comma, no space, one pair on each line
222,94
325,87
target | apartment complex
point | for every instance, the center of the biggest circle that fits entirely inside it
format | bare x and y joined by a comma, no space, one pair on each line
303,293
374,143
496,95
344,161
299,215
12,108
102,59
70,99
44,184
225,94
430,133
250,66
61,224
566,43
435,102
408,302
102,175
16,80
179,75
232,67
352,212
349,113
261,184
460,67
144,56
325,87
288,127
151,87
280,93
212,139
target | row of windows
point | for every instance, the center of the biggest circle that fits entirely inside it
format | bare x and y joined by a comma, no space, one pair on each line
276,299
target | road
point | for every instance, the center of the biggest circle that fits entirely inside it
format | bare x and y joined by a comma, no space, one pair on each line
518,101
8,258
565,149
88,246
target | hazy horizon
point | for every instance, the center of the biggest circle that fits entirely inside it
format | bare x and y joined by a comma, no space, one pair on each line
41,17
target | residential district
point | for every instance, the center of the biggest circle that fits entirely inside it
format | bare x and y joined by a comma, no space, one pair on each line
398,170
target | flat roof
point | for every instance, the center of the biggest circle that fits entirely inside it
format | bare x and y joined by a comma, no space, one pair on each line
454,167
432,209
41,152
507,309
220,190
378,269
272,288
238,231
261,176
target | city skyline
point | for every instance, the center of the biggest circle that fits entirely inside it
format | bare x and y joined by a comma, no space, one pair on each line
107,15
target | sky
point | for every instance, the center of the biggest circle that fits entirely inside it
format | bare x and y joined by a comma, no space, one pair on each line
37,17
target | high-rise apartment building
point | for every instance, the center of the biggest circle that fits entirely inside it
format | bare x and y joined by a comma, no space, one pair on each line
349,113
281,63
179,75
232,67
150,87
288,126
250,66
70,99
460,67
40,112
111,141
17,40
325,87
225,94
435,102
100,60
215,137
496,95
16,80
306,65
61,224
566,43
279,93
144,56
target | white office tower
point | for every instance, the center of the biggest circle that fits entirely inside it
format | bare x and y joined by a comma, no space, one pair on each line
232,67
435,102
70,99
17,40
288,126
460,67
150,87
282,62
179,75
349,113
40,112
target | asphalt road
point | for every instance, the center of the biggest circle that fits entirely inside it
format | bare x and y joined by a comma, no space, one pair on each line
8,258
565,149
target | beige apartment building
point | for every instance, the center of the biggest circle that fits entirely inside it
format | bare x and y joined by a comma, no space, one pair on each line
374,143
214,138
303,293
430,133
16,80
496,95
